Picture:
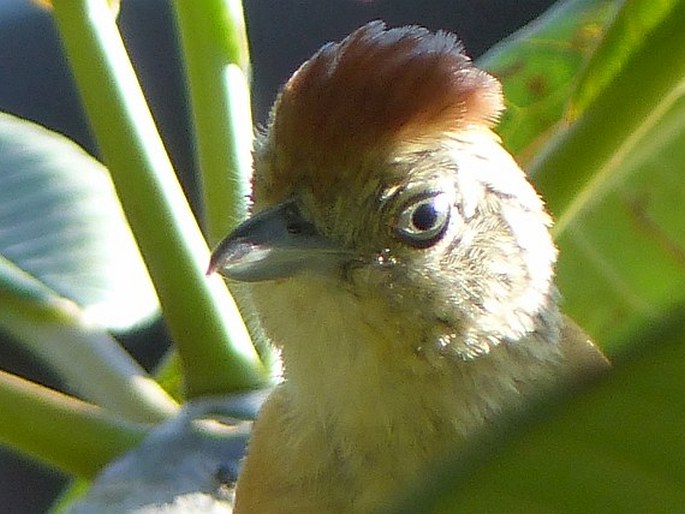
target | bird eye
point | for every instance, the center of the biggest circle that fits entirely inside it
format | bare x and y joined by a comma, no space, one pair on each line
424,219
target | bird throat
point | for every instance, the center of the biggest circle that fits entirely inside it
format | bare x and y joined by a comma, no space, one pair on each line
363,379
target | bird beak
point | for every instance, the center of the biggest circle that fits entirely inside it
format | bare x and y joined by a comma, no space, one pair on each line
275,243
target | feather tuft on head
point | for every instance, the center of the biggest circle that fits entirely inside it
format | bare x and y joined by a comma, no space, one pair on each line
376,89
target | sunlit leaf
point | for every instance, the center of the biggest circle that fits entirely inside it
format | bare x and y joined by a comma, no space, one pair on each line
617,189
62,229
539,66
614,180
628,31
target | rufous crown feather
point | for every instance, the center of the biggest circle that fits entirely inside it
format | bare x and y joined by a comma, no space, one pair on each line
378,88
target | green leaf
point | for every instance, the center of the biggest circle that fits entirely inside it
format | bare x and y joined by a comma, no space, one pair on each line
614,181
611,117
539,66
628,31
69,267
62,230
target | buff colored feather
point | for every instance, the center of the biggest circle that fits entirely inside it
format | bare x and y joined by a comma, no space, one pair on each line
402,263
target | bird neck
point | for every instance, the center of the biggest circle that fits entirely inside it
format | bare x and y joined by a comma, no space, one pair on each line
367,404
354,366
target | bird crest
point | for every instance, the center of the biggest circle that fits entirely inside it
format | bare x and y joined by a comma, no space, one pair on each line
357,100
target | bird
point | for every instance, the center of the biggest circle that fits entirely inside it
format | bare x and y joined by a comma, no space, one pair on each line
402,264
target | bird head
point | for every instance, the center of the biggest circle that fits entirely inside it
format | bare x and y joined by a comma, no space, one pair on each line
379,179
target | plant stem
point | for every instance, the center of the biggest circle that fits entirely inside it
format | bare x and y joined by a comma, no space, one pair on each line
62,431
89,359
216,57
212,341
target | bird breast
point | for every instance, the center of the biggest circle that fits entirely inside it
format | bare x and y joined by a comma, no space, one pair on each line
366,383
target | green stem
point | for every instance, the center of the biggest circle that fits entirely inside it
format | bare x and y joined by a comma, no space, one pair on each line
216,57
89,360
584,161
212,341
62,431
